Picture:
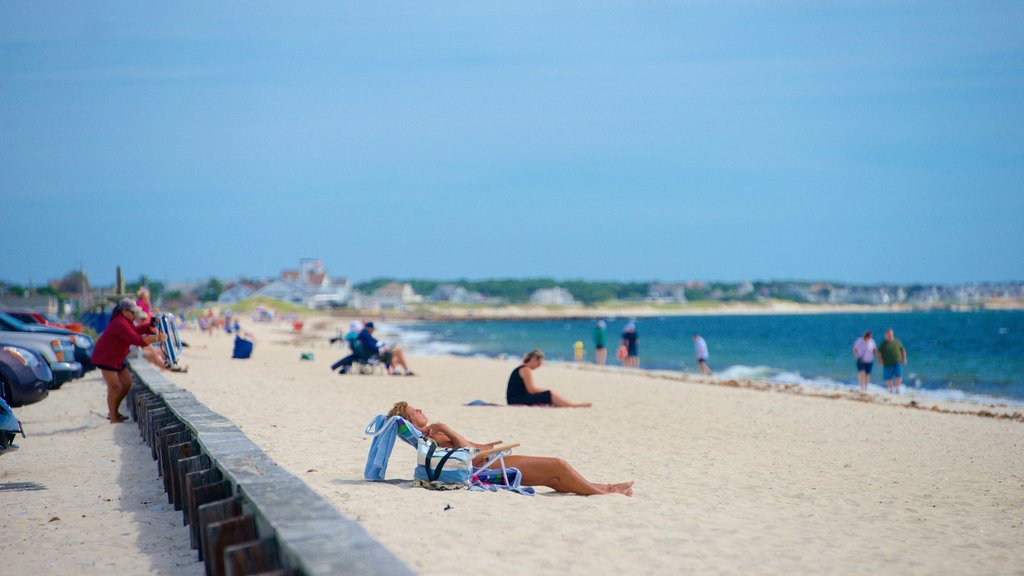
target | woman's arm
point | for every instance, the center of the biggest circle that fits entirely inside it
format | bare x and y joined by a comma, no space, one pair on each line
445,436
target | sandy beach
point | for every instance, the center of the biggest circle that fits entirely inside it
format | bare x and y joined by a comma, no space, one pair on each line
729,479
83,497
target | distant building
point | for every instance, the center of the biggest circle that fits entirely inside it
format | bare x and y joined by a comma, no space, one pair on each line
455,293
394,296
235,293
556,296
309,285
659,292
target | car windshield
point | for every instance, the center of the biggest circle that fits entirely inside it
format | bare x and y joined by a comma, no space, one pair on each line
50,317
24,317
8,322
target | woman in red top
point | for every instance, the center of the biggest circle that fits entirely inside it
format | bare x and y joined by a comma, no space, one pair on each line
112,350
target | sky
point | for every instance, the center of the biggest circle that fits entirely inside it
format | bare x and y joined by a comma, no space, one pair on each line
860,142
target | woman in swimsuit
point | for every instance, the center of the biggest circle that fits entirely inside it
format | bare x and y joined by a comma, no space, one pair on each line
554,473
521,389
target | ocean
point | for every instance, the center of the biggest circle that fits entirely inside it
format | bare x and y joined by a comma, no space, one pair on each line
971,356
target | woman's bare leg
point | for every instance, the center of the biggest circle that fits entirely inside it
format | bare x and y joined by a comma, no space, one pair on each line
398,359
558,475
124,378
113,394
563,402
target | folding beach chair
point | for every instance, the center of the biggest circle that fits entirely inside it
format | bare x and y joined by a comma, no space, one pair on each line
171,347
440,468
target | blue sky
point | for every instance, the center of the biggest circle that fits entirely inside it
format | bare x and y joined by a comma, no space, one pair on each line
849,141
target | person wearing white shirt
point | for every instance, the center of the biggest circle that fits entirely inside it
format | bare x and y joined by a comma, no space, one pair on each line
864,350
700,348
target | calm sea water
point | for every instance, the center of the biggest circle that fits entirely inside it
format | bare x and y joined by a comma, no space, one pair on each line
975,356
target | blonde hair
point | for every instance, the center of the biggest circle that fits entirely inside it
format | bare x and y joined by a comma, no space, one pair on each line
399,409
535,353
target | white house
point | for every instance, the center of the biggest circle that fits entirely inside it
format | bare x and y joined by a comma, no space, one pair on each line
284,290
394,296
235,293
556,296
309,285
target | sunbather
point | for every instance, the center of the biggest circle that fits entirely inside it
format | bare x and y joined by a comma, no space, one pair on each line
521,389
554,473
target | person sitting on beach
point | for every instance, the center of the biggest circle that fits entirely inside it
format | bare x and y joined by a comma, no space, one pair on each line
352,339
554,473
389,355
522,391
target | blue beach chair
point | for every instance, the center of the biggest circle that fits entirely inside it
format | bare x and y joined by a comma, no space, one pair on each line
440,468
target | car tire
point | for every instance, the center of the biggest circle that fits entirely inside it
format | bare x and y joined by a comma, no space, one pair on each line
6,392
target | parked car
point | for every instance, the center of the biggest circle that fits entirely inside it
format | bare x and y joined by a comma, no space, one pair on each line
29,316
57,350
83,344
25,377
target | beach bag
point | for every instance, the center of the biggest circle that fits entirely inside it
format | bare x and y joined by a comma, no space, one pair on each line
440,468
242,349
621,353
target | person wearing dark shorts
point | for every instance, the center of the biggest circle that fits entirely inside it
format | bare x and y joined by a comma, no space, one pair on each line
112,349
864,350
522,392
601,343
894,358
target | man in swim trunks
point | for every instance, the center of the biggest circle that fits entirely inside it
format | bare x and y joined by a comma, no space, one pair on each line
894,358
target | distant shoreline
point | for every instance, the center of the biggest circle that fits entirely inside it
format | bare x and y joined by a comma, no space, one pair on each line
528,312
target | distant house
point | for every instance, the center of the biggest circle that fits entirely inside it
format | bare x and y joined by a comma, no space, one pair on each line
455,293
660,292
284,290
309,285
556,296
235,293
394,296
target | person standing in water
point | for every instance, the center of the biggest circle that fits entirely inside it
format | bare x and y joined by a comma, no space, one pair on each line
894,358
700,349
600,343
864,350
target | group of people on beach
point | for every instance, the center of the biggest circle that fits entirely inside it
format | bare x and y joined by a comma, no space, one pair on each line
890,353
628,351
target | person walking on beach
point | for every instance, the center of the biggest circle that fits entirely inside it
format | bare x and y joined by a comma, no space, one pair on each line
864,350
629,340
700,349
111,352
600,343
522,391
894,358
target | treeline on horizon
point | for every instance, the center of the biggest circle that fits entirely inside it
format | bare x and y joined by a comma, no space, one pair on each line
518,290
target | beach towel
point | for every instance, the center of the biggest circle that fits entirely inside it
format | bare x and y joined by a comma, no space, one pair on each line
481,403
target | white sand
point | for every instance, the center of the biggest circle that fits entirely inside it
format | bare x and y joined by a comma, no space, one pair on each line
98,507
728,480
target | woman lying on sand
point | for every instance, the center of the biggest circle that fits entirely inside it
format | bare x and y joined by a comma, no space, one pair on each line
521,389
554,473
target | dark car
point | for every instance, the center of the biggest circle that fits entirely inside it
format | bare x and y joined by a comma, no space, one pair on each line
25,378
29,316
83,344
